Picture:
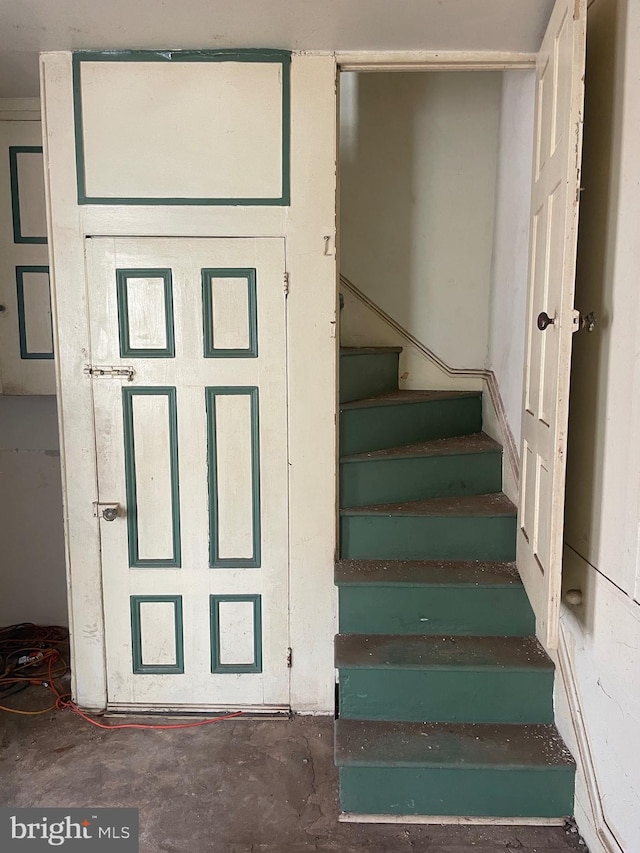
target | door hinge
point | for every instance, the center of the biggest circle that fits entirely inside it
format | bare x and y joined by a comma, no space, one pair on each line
286,284
109,371
289,657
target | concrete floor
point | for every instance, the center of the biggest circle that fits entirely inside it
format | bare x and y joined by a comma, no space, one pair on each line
238,786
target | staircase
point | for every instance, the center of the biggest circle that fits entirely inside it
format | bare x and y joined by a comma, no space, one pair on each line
445,695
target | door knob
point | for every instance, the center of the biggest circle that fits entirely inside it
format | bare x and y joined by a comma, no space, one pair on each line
544,320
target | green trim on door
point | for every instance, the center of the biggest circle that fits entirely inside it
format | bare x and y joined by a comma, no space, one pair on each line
14,150
22,318
282,57
214,609
215,561
126,350
209,348
135,561
141,668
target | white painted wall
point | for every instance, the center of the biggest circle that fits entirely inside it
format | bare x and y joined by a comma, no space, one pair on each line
509,264
603,486
418,159
31,532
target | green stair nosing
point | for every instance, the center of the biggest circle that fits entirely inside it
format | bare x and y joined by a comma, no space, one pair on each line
408,398
436,448
435,652
416,744
492,505
349,351
430,573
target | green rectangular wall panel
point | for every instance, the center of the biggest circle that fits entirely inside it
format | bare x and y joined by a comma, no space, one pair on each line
428,538
266,55
378,481
215,560
135,561
209,348
25,352
458,694
468,791
140,668
214,613
122,280
14,153
463,610
376,427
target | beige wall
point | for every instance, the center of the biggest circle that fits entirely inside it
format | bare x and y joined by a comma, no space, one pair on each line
33,568
418,158
603,478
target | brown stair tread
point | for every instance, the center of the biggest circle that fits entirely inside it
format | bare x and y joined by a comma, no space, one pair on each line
419,572
368,350
401,397
477,442
400,744
487,506
380,651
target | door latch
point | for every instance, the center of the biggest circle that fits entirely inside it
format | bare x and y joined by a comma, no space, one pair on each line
109,371
106,511
584,321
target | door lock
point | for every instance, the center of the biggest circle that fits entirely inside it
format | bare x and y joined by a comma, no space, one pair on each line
106,511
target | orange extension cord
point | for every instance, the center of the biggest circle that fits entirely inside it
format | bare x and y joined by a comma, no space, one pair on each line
38,646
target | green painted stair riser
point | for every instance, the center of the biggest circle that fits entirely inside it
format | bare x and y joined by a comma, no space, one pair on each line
378,481
379,427
453,610
398,537
456,694
367,375
469,791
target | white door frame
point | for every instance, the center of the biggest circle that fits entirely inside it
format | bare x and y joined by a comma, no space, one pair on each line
312,360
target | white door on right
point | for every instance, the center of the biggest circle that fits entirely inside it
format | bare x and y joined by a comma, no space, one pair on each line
550,313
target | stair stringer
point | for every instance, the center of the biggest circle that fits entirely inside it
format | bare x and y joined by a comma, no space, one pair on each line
365,324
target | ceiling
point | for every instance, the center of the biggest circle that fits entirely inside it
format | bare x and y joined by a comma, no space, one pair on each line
30,26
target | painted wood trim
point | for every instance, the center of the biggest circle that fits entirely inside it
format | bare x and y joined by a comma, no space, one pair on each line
432,60
209,348
214,606
20,109
135,561
140,668
126,350
215,561
451,820
14,151
22,317
282,57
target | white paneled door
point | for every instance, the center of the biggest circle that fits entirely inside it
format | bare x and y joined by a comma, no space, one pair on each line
550,317
188,359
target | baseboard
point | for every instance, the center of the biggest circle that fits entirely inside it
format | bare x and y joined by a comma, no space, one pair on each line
454,820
